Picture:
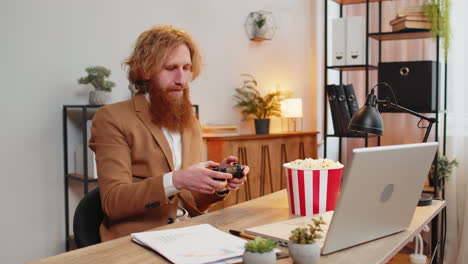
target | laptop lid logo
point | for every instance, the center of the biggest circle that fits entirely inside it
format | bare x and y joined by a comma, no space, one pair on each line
386,193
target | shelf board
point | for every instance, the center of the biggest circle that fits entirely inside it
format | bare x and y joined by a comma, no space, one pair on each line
353,67
399,35
369,136
350,2
79,177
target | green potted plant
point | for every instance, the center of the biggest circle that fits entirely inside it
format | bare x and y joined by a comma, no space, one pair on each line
260,251
302,243
438,12
97,76
444,168
261,107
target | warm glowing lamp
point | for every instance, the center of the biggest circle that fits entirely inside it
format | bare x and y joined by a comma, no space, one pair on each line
292,109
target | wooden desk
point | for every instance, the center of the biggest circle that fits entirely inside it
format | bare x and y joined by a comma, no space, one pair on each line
263,210
265,155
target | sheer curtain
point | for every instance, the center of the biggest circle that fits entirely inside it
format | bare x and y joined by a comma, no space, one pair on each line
457,137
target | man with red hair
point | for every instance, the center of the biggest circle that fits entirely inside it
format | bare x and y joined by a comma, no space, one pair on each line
148,149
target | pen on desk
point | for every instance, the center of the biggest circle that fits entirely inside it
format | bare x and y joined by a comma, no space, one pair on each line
240,234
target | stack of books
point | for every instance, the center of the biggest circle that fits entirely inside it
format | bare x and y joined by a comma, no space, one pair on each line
410,18
220,130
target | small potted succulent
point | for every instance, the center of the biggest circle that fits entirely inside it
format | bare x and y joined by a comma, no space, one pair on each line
253,103
260,27
97,76
302,243
260,251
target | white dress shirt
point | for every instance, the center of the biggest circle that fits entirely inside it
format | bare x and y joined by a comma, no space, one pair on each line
175,142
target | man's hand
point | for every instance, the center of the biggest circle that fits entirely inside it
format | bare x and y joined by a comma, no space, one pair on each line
200,179
228,161
234,183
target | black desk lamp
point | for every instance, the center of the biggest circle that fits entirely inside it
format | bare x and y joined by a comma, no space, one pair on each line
369,120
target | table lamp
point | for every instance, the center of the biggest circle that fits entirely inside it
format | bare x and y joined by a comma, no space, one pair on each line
292,109
369,120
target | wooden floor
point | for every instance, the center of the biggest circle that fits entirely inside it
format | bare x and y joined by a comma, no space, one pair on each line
403,259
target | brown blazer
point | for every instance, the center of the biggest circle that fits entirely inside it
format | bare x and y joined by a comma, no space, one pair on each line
132,155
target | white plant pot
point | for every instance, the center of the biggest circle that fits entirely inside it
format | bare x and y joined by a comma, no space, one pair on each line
259,258
304,253
99,97
261,33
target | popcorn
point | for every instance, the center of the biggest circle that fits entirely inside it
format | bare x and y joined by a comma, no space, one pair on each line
313,185
310,163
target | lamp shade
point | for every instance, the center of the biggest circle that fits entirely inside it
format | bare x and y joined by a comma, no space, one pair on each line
368,119
291,108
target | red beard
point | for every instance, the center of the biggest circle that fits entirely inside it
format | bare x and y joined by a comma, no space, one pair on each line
171,112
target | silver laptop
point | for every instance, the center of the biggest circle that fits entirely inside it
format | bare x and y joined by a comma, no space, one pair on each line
380,191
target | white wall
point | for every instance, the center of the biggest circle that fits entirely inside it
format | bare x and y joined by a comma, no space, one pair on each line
45,46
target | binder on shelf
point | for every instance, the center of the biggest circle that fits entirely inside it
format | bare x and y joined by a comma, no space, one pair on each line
344,116
339,42
330,89
355,41
353,107
351,99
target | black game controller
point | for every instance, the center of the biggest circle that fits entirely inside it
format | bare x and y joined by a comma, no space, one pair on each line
236,170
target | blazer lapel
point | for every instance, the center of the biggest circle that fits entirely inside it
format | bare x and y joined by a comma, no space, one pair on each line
143,111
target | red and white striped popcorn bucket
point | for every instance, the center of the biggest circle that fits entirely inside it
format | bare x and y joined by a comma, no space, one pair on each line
312,191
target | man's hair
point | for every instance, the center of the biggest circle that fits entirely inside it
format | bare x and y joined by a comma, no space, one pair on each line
151,50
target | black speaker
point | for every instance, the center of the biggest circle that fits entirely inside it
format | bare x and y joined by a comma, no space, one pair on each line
414,84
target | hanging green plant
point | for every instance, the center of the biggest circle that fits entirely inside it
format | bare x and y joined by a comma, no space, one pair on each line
438,12
260,20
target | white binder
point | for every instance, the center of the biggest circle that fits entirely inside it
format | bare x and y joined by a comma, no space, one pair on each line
355,41
339,42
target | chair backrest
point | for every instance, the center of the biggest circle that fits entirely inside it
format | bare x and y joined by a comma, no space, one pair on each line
87,219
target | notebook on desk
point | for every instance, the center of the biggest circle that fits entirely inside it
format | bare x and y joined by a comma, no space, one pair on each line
380,191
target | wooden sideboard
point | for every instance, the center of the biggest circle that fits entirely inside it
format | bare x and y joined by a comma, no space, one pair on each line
265,155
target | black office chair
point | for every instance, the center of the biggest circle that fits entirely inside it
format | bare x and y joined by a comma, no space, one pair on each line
87,219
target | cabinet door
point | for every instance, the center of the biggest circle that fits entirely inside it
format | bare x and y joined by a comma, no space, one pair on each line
265,158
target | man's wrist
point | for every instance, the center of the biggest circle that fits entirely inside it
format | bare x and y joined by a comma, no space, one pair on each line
169,186
175,181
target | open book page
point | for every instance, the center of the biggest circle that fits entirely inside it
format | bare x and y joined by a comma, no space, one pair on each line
193,244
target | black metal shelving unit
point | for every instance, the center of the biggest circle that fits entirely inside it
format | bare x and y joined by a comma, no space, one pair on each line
365,67
85,111
441,110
